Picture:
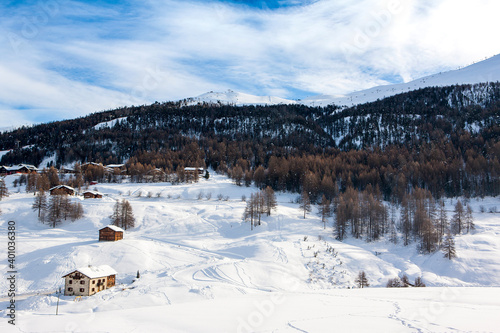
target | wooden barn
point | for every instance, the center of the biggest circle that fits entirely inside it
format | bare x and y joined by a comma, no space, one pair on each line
92,195
89,280
110,233
62,190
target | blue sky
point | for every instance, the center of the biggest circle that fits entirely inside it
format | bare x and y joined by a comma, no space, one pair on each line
64,58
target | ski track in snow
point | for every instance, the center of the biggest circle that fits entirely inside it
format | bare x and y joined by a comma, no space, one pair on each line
192,251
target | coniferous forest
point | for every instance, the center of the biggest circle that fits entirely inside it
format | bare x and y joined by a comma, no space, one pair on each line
444,141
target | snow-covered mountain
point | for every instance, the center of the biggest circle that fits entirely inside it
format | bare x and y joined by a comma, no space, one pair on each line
484,71
237,98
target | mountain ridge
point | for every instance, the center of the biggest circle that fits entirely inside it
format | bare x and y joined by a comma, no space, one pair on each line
484,71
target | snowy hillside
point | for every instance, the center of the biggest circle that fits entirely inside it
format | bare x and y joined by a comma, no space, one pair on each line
203,270
484,71
237,98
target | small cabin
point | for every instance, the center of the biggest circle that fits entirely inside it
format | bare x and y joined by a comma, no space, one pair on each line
192,170
110,233
66,170
116,168
92,195
62,190
89,280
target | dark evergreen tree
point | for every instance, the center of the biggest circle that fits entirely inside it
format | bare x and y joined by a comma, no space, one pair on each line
361,280
448,247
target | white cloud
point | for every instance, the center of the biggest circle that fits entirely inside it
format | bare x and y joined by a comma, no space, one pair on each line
80,58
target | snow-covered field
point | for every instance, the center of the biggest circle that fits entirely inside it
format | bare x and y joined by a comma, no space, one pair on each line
203,270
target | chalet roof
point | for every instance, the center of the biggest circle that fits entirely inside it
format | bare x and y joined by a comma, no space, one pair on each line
93,192
114,228
63,186
115,165
92,163
94,272
20,166
192,169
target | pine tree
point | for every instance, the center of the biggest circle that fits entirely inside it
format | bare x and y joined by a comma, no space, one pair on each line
76,211
250,211
361,280
442,221
469,219
4,192
340,218
259,205
325,210
128,219
419,282
54,211
305,203
123,216
269,200
405,281
405,221
394,283
40,202
449,246
393,234
116,216
458,219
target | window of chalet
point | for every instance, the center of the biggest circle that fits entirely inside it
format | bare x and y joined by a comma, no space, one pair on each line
82,290
70,289
82,282
70,282
93,281
93,289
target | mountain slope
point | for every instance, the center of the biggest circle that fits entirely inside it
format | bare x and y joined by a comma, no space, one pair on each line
236,98
485,71
201,266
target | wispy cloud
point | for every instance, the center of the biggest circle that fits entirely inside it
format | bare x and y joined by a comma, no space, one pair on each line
68,58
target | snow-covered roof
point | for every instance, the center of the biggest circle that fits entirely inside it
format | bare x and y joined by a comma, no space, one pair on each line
115,165
94,272
62,186
93,192
20,166
192,168
92,163
114,228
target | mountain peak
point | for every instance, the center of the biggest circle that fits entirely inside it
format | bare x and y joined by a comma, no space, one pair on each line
237,98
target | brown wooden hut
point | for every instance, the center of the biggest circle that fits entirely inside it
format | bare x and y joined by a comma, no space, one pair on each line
62,190
92,195
110,233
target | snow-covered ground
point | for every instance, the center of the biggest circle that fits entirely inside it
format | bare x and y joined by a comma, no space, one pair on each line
237,98
203,270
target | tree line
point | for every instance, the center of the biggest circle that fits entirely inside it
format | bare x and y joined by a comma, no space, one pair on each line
444,140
